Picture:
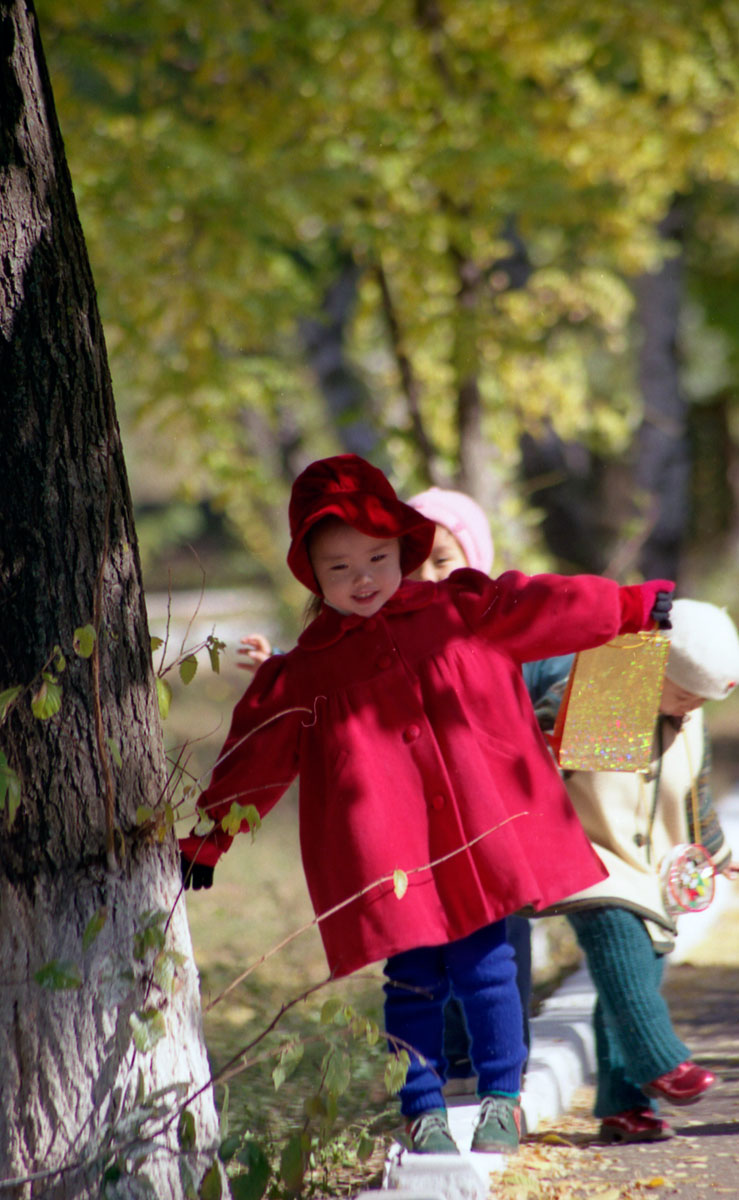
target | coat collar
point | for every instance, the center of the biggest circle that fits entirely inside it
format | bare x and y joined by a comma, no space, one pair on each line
330,626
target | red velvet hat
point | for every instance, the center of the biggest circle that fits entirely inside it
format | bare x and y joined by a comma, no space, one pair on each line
353,490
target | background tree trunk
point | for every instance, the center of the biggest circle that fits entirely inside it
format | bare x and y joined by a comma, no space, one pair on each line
75,1092
662,469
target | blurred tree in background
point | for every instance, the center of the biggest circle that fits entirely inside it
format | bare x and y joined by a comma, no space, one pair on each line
494,246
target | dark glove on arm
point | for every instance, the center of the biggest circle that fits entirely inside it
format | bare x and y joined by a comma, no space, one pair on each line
661,610
195,875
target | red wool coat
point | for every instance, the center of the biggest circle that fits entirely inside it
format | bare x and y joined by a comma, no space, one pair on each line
416,744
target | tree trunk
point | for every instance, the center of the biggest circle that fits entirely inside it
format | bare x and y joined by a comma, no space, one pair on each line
662,469
76,1094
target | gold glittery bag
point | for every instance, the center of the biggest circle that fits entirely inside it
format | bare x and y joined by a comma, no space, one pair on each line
607,717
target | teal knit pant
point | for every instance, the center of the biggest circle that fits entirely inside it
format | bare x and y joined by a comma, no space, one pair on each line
634,1038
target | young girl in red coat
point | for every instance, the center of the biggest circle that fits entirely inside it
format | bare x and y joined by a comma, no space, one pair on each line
383,710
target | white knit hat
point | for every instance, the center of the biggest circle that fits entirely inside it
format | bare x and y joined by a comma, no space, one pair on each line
704,649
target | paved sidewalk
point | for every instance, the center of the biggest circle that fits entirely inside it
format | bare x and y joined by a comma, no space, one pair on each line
702,987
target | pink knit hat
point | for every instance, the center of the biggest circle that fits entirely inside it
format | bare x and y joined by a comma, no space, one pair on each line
464,518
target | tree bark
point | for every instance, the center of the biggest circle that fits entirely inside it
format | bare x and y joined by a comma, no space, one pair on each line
77,1113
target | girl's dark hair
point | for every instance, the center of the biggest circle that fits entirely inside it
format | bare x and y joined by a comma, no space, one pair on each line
315,603
312,609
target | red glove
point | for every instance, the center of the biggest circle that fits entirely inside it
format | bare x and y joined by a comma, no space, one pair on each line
644,604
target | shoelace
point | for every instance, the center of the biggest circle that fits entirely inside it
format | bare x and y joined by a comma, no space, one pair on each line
427,1124
496,1108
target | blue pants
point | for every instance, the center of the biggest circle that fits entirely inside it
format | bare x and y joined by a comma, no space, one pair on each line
479,970
634,1038
456,1037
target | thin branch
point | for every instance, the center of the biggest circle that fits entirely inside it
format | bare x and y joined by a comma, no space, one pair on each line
409,383
330,912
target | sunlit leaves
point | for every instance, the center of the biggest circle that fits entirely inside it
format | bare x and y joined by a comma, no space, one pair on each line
231,164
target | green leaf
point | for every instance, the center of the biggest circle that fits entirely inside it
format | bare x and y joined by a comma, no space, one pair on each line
228,1147
155,643
10,788
186,1130
59,975
188,667
338,1074
290,1056
204,826
150,935
148,1027
164,971
396,1070
144,813
94,927
366,1148
6,699
292,1164
211,1187
60,661
253,1184
164,697
372,1033
187,1179
215,647
237,813
330,1009
223,1117
115,751
83,641
315,1105
47,701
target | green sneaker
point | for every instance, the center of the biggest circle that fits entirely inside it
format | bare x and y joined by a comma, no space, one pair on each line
498,1127
429,1133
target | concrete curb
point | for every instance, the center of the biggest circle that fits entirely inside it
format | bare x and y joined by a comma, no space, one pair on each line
562,1058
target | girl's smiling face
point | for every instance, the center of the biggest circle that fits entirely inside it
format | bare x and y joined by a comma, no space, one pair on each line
356,573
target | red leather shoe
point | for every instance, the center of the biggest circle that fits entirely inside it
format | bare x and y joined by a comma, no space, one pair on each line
636,1125
683,1085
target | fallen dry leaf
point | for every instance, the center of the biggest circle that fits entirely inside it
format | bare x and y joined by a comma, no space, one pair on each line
556,1139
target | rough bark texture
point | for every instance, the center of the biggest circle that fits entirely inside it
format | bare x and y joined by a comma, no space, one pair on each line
72,1085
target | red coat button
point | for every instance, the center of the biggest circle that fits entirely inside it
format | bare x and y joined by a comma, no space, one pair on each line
438,801
411,733
385,661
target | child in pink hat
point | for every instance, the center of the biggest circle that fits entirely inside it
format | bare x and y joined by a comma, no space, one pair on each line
462,537
421,826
